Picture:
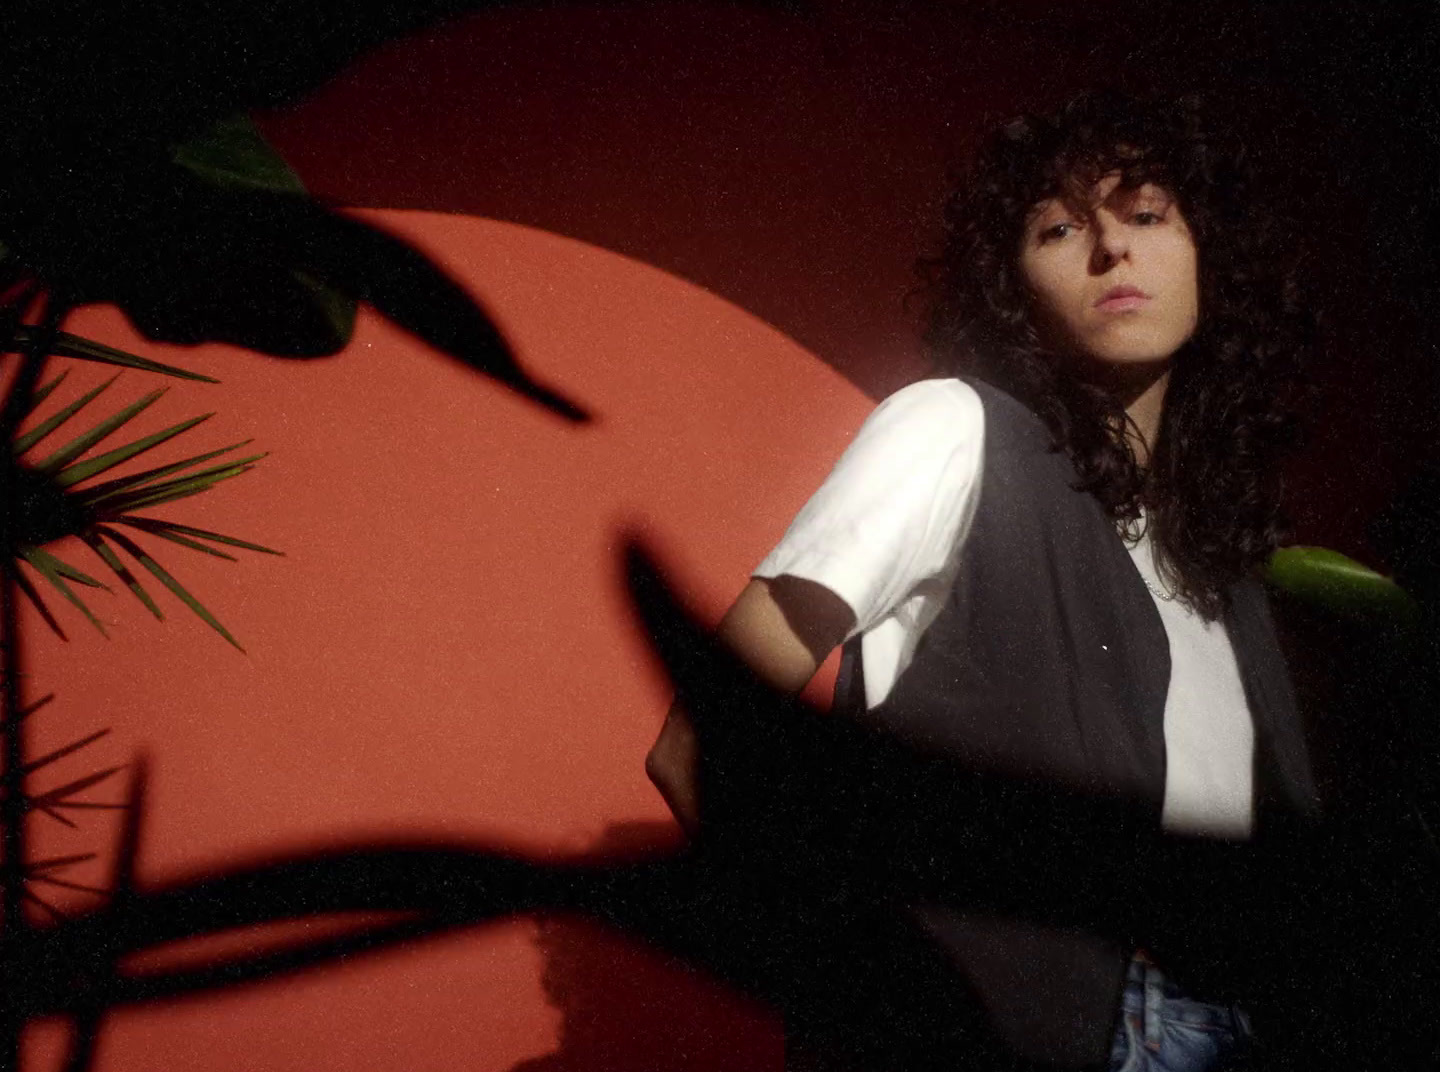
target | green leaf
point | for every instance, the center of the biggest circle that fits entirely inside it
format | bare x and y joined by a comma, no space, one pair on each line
336,309
239,170
73,474
61,568
154,494
239,278
233,154
140,555
98,492
174,537
111,559
44,428
152,524
140,500
67,345
23,582
46,566
43,392
1330,581
79,445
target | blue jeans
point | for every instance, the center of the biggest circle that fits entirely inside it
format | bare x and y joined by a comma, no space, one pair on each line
1161,1030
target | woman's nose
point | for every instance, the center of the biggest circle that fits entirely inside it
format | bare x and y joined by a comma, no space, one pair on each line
1111,245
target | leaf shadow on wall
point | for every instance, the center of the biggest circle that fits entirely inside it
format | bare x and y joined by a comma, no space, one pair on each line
626,1008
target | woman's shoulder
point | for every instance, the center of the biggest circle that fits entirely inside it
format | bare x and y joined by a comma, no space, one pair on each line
1006,423
924,438
951,398
940,392
948,409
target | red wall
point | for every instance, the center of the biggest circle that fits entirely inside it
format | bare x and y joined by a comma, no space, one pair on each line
445,648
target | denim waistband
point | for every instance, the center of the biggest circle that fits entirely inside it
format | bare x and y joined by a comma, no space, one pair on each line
1153,995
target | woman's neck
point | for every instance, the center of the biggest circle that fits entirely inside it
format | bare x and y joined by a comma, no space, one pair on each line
1140,390
1144,406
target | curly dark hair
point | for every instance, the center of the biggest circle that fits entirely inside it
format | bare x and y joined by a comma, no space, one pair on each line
1211,489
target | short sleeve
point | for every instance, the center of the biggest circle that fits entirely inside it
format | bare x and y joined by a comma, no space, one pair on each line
896,507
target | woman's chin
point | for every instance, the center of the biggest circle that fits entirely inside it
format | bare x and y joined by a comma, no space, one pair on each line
1125,365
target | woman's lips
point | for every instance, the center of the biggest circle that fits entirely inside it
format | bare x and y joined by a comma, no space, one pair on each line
1122,300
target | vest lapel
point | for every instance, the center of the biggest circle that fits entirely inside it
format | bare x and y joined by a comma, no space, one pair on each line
1283,778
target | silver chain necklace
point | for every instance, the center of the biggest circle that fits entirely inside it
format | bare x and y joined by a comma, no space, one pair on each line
1163,594
1167,596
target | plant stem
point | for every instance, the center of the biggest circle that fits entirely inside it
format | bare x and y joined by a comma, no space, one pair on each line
17,402
12,732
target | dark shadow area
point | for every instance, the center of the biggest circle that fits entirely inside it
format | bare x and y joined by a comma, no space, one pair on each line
630,1009
822,835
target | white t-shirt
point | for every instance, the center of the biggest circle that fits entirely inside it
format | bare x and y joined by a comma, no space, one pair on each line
885,532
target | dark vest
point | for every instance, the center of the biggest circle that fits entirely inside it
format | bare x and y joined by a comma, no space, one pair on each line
1050,660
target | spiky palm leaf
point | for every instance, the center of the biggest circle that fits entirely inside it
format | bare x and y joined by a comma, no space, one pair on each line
67,345
62,496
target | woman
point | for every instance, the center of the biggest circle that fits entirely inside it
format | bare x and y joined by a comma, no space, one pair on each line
1046,567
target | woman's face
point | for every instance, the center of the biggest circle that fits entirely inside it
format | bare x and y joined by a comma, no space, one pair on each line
1116,281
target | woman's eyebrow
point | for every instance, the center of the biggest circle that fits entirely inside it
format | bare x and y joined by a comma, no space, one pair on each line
1129,195
1048,206
1036,216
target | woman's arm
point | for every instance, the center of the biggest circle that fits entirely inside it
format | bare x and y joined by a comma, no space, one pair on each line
890,516
783,629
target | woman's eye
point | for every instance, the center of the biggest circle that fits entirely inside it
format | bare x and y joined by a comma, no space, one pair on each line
1147,218
1056,231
